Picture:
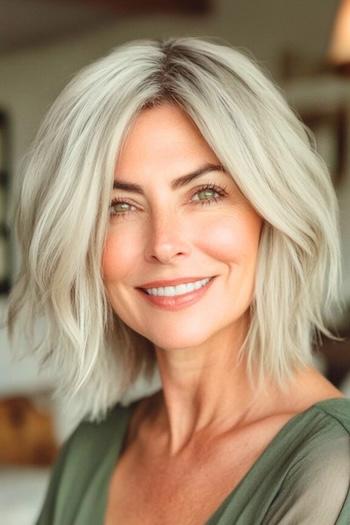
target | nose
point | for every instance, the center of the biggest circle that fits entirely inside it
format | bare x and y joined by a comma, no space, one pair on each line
167,237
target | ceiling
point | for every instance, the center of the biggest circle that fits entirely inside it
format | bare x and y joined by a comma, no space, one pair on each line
25,23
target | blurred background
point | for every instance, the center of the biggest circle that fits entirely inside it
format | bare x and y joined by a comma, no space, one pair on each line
306,48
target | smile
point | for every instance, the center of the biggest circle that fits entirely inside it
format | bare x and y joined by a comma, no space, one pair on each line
177,297
180,289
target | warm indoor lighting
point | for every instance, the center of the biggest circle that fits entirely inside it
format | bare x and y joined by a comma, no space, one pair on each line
339,50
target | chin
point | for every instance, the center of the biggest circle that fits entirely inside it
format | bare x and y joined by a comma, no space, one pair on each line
178,342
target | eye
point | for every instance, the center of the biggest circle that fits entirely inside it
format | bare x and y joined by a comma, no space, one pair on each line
123,207
209,189
212,194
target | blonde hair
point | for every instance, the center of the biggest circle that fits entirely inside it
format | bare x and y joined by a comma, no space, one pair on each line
62,214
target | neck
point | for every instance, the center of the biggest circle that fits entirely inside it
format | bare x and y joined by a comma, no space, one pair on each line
202,395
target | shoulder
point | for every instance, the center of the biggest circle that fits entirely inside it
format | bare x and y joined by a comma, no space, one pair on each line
90,439
88,429
79,457
324,450
338,409
316,487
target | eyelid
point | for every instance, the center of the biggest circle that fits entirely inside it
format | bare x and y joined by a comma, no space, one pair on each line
212,186
220,189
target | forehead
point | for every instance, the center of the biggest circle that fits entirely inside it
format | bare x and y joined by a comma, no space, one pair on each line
163,136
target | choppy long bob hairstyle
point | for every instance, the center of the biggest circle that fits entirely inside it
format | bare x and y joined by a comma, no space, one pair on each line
62,214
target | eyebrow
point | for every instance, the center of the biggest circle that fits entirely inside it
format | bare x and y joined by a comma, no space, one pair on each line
175,183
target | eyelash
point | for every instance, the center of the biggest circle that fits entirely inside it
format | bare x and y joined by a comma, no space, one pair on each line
213,187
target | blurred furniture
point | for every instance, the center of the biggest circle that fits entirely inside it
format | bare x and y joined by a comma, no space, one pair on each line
27,434
28,448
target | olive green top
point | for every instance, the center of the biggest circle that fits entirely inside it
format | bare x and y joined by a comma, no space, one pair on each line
302,476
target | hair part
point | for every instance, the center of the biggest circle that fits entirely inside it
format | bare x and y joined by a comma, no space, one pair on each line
62,215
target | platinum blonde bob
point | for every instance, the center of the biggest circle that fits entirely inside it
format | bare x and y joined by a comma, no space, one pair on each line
62,214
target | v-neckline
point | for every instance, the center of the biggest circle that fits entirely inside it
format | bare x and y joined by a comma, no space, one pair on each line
129,410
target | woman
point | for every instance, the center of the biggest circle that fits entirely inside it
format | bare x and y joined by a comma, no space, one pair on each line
162,164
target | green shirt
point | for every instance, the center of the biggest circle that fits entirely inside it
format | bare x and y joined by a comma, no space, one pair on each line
301,478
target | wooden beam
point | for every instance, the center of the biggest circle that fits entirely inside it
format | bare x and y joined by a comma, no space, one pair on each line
137,7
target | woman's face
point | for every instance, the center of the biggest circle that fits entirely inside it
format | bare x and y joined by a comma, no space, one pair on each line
166,231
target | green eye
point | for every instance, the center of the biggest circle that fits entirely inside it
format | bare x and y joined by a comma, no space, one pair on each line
124,207
208,190
207,193
211,192
122,204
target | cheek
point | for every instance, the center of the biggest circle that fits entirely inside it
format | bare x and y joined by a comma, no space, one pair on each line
118,257
233,238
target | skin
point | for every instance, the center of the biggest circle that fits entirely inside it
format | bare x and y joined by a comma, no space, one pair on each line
169,234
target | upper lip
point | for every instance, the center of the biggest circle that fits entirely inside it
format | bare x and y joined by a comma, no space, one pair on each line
172,282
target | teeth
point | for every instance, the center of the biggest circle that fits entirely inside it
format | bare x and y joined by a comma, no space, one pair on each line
180,289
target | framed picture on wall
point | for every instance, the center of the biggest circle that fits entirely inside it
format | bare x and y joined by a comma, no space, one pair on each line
5,257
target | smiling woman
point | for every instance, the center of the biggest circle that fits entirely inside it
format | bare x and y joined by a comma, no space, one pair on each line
174,217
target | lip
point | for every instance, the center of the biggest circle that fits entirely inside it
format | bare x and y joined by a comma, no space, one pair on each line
172,282
177,302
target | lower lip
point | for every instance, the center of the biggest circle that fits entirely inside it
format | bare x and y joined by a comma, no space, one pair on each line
179,301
